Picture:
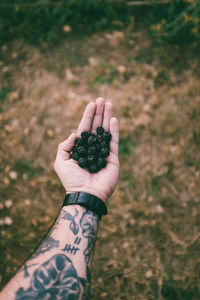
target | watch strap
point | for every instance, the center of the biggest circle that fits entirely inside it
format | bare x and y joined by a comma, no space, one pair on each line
89,201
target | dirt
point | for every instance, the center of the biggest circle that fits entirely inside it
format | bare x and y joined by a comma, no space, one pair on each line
148,245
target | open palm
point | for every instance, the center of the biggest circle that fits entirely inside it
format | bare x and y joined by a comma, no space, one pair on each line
76,179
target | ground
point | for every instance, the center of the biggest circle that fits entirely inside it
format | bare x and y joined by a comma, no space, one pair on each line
148,246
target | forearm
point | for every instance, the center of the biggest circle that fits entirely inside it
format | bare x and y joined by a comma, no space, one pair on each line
60,268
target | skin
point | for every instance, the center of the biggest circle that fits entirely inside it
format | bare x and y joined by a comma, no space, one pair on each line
61,267
75,179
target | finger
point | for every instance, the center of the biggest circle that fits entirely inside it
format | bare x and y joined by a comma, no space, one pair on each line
98,118
66,146
86,122
108,111
114,130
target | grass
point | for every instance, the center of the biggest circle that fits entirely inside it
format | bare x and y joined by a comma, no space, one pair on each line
196,137
4,91
155,187
22,166
126,147
173,290
103,73
153,222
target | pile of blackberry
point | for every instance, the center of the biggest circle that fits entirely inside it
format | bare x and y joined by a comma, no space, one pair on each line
91,150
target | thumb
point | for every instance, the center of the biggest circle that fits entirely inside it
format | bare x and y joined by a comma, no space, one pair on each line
66,146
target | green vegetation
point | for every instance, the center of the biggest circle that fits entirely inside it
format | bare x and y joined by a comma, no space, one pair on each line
196,137
103,73
37,22
125,146
156,186
171,290
26,167
178,22
4,92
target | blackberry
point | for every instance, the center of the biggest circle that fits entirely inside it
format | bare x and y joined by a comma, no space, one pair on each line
98,148
75,156
81,150
104,151
100,130
105,144
101,162
91,150
85,135
74,149
82,162
107,136
91,159
78,142
93,168
91,140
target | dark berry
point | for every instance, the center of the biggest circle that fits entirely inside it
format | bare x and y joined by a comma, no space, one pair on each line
74,149
107,136
78,142
100,130
91,150
98,148
91,159
104,151
101,162
82,162
104,144
93,168
75,156
85,135
91,140
81,150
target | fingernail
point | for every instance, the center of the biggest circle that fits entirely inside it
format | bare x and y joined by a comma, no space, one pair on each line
100,99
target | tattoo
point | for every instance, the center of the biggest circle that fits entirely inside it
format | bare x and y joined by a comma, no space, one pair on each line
77,240
88,224
26,273
25,269
47,245
56,279
86,284
73,225
70,249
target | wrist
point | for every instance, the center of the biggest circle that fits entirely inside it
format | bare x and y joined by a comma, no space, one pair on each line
87,200
101,195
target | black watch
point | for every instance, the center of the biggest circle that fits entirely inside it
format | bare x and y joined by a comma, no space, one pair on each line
89,201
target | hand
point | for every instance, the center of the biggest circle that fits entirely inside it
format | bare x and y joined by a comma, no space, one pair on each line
76,179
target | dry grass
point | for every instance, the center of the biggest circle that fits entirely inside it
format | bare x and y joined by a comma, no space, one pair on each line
148,246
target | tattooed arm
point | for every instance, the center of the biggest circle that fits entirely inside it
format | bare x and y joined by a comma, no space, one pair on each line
60,268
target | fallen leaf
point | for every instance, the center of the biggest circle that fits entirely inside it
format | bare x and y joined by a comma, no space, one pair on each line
149,274
13,175
67,28
50,133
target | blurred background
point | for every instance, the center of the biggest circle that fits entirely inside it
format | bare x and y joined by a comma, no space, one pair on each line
143,56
